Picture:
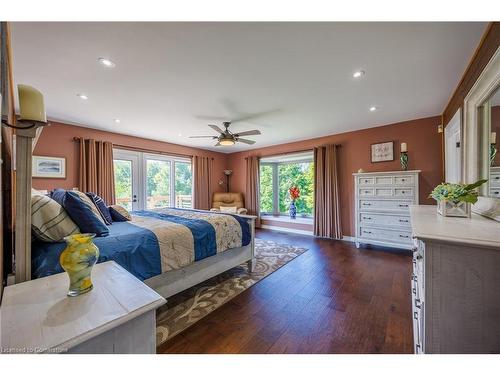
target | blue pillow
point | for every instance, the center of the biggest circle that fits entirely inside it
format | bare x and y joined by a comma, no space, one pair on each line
80,210
101,207
119,213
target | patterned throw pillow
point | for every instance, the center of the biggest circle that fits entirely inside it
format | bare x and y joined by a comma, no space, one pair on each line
83,212
228,210
119,213
101,207
49,220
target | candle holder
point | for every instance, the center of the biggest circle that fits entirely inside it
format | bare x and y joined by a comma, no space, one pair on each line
493,153
404,160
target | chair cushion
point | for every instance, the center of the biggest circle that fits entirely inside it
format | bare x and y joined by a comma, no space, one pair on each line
101,207
228,200
119,213
82,211
229,210
49,220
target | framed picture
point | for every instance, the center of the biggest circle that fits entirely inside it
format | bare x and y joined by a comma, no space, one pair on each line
382,152
49,167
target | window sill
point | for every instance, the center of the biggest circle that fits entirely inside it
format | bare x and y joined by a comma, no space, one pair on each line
286,219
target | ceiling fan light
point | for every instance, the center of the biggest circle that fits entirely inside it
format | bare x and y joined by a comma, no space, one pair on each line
226,142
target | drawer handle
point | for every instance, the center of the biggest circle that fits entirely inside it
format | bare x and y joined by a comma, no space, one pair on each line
367,191
496,192
419,257
404,236
366,181
415,315
415,278
403,205
497,178
367,218
403,220
403,180
367,232
418,304
367,204
414,290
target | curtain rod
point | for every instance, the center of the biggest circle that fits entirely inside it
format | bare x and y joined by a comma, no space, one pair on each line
139,149
294,151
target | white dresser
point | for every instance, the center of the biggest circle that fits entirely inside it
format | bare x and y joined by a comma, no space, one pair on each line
495,182
455,283
382,207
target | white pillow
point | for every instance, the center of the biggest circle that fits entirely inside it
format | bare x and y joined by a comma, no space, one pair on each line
228,210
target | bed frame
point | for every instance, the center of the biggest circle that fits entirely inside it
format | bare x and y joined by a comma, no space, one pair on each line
172,282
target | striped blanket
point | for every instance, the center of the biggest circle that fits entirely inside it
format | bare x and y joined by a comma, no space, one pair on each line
156,241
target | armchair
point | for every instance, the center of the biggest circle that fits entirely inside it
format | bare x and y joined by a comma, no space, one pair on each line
229,200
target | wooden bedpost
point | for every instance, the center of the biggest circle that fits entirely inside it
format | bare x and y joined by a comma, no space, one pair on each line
251,263
24,142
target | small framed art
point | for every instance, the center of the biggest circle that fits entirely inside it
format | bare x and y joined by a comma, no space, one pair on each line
49,167
382,152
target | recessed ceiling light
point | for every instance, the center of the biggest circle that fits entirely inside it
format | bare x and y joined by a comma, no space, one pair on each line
106,62
358,74
82,96
373,108
180,134
117,120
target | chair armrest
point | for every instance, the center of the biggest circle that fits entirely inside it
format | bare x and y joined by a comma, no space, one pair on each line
241,211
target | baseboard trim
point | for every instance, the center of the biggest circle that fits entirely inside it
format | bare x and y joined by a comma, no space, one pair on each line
287,230
348,239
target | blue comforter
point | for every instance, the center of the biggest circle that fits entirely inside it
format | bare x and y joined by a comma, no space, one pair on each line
155,242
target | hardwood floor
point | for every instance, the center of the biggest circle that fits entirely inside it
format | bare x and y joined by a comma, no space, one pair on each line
334,298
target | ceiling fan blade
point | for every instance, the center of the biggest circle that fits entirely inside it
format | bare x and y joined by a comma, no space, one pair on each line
217,144
252,116
248,132
203,136
217,129
247,141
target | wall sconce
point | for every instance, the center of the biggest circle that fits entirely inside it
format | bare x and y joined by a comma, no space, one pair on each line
31,108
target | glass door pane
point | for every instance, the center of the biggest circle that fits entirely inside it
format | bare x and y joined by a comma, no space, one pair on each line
123,183
183,185
157,184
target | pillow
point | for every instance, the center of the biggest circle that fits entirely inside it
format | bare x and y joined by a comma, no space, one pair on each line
49,220
228,210
119,213
82,211
101,207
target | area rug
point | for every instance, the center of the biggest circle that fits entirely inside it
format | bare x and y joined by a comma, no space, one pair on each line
186,308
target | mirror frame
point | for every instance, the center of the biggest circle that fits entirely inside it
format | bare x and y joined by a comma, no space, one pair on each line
485,86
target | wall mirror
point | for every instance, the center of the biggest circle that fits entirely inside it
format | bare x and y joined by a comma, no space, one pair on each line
481,128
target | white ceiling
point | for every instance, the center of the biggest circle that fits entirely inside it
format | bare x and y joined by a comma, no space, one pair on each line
171,77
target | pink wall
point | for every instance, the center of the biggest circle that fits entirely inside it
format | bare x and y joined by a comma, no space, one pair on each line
57,140
424,151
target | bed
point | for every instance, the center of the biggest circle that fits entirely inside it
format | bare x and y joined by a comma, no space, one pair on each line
169,249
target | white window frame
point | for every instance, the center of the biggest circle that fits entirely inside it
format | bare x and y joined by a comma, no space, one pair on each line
142,158
275,182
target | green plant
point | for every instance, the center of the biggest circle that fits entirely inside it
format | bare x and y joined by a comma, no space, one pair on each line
456,192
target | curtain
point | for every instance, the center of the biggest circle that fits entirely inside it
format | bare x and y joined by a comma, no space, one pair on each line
252,188
96,169
326,193
202,181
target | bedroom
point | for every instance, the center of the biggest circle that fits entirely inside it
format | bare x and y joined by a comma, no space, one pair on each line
249,188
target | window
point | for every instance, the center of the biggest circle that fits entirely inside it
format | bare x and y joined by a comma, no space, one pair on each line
278,174
149,181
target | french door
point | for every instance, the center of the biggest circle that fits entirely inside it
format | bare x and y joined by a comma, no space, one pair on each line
148,181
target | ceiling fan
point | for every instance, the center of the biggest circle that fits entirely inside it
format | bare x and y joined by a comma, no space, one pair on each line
227,138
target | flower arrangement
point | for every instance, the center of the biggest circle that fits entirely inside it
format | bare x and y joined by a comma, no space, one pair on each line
294,193
456,193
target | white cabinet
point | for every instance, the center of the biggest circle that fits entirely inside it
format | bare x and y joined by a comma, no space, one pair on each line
382,207
455,283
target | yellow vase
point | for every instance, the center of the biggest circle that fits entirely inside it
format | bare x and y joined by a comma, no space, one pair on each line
77,260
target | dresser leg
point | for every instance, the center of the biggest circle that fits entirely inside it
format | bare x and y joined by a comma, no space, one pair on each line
357,245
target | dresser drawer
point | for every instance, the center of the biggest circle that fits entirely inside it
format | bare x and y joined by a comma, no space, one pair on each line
495,180
402,236
383,192
366,180
367,218
495,193
403,180
384,205
403,192
384,180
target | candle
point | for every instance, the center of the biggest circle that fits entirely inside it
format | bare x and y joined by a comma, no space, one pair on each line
31,104
493,138
404,148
